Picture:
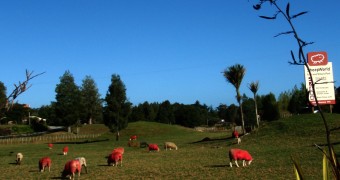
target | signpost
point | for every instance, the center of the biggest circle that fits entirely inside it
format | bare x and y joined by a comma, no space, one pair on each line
322,74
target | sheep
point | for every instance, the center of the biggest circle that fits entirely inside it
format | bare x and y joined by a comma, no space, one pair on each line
153,147
114,159
143,144
134,137
19,158
71,167
118,149
170,145
50,145
236,135
82,161
239,154
133,144
65,150
45,162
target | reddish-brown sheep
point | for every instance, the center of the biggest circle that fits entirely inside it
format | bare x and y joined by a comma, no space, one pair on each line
71,167
114,159
50,145
134,137
118,149
153,147
239,154
45,162
65,150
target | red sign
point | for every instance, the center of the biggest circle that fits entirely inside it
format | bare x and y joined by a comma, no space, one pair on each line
317,58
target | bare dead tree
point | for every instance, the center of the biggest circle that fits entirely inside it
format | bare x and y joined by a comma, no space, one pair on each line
19,88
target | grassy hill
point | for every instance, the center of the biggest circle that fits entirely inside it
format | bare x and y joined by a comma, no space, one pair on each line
271,147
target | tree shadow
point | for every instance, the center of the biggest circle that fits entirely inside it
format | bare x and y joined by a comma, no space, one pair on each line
82,142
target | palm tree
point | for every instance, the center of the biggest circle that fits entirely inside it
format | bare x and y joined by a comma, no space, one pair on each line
234,75
254,87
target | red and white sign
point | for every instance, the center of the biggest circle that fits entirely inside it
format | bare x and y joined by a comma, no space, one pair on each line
322,74
317,58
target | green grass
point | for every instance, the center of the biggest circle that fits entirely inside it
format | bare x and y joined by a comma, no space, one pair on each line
271,147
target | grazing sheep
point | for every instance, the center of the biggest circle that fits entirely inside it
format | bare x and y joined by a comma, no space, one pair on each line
114,159
133,144
118,149
153,147
82,161
239,154
65,150
143,144
45,162
50,145
19,158
170,145
236,135
134,137
71,167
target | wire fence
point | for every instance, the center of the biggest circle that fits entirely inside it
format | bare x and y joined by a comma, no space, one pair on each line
47,139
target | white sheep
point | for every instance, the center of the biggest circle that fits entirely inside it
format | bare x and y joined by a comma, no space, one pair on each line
19,158
82,161
170,145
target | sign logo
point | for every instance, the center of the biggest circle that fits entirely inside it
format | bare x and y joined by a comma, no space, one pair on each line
317,58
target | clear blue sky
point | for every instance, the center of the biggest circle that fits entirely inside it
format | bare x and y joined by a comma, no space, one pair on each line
162,49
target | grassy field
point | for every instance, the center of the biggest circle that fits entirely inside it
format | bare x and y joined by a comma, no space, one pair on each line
271,147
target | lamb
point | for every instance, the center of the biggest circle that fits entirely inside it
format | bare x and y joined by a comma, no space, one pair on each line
134,137
170,145
65,150
114,159
239,154
50,145
153,147
118,149
19,158
71,167
45,162
82,161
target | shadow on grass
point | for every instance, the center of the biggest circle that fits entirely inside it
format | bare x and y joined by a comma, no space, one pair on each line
207,139
218,166
57,178
82,142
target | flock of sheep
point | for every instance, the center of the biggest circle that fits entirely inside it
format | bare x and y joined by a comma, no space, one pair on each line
75,165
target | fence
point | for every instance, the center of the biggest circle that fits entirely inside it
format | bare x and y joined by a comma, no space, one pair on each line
47,139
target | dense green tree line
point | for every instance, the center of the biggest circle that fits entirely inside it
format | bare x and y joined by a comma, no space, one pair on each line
82,104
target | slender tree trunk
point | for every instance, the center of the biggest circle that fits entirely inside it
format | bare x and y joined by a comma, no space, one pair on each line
256,113
242,118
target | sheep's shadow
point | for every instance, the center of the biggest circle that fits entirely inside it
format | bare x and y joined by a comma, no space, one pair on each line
57,178
14,163
218,166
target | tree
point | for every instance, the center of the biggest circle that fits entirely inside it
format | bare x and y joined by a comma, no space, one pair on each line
68,100
254,87
92,110
270,110
3,99
117,108
298,100
337,100
165,113
234,75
